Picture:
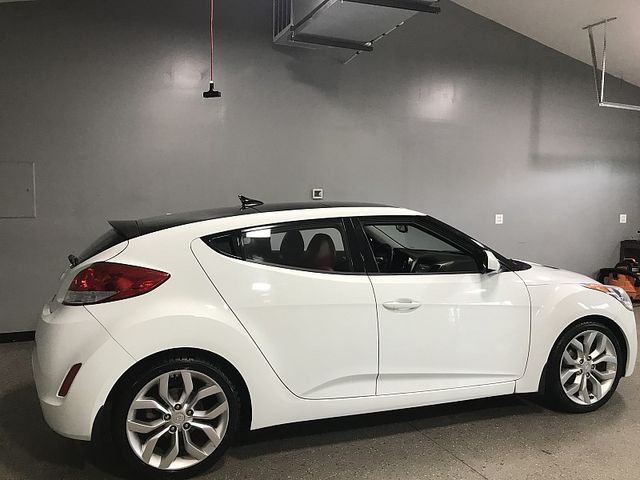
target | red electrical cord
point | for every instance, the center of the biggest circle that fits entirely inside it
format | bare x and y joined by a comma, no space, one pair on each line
212,1
211,93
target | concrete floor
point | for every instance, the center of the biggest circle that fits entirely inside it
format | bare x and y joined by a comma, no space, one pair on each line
501,438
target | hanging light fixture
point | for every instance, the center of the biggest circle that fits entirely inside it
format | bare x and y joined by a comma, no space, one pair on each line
212,93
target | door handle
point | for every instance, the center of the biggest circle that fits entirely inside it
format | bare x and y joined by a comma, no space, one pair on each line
401,305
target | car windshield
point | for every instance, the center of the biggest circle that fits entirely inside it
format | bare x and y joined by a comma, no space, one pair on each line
408,236
512,264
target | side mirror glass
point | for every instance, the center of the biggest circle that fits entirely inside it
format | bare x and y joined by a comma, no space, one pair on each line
491,263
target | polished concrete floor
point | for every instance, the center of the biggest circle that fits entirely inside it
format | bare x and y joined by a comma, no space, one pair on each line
501,438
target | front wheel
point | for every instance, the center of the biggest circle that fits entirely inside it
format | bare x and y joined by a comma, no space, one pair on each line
177,418
583,370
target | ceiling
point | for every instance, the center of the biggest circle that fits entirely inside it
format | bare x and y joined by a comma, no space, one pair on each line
558,24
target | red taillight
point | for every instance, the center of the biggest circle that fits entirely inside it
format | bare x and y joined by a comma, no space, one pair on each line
106,282
68,380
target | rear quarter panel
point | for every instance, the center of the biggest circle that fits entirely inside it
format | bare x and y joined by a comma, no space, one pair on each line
186,312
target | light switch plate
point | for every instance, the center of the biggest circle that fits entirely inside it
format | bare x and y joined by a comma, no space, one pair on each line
499,218
623,218
317,193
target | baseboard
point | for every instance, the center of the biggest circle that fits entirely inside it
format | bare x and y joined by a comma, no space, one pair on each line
17,337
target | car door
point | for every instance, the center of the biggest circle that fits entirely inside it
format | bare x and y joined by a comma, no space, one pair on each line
443,324
311,311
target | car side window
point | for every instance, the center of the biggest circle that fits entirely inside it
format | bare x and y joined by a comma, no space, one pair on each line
226,244
408,248
302,245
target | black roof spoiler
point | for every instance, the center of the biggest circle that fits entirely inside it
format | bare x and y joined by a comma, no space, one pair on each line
126,228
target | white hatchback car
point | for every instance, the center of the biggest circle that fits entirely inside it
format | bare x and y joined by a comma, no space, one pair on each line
178,332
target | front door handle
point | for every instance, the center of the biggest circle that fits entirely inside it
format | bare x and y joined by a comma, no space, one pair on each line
401,305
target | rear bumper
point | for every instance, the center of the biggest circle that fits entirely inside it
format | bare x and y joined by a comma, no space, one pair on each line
64,337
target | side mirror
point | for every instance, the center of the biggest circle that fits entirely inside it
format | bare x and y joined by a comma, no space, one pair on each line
491,263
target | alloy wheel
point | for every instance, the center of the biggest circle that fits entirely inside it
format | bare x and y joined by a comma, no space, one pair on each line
177,420
588,367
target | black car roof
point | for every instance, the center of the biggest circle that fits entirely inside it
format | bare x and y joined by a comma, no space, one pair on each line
136,228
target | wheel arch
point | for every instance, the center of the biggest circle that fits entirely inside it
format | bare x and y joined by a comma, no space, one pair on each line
103,418
606,321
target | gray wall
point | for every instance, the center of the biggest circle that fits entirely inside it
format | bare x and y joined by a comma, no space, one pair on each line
453,115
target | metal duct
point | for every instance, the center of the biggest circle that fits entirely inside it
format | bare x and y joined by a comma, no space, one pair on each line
354,25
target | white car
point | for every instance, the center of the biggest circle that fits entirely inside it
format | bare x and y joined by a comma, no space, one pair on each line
181,331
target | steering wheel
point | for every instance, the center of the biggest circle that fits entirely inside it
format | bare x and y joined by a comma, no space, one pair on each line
383,254
428,268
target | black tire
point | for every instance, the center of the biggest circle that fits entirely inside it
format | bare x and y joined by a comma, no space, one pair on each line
554,393
138,379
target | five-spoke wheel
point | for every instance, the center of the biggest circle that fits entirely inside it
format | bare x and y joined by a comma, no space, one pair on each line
583,369
177,419
177,416
588,367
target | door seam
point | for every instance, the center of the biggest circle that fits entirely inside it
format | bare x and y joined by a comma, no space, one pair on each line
375,299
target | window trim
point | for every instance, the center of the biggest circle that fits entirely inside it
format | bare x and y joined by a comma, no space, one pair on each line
423,223
234,236
346,231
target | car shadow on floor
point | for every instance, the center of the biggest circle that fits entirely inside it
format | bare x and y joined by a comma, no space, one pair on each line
320,432
34,451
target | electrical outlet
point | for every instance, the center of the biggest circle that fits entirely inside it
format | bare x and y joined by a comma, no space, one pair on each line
623,218
317,193
499,218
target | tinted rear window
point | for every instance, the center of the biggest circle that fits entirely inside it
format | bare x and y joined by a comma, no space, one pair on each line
103,242
227,244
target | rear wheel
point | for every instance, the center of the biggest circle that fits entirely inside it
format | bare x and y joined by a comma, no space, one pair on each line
583,369
177,418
